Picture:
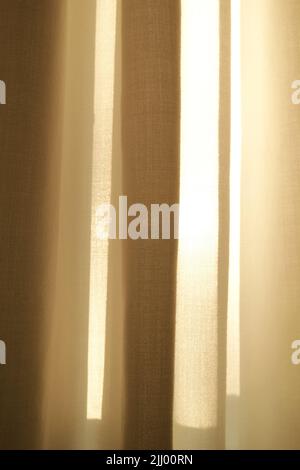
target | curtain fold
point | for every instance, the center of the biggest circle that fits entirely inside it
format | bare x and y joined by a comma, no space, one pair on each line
269,225
31,34
150,141
146,343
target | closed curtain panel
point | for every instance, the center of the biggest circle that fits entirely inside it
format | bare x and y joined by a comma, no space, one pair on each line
149,342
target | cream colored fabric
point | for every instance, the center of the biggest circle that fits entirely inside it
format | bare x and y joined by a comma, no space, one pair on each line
149,344
270,254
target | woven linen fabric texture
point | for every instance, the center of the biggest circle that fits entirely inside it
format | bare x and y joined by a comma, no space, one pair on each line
149,343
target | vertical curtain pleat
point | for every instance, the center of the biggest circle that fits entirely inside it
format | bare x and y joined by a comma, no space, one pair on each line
270,225
224,217
64,404
150,139
30,64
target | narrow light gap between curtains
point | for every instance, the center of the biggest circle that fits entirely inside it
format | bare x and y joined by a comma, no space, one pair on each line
101,194
83,375
197,326
202,271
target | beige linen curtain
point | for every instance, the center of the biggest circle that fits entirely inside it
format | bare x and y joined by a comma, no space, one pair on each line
150,343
